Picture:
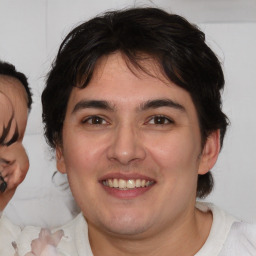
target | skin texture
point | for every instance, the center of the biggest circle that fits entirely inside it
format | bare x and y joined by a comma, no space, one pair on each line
14,162
7,111
15,91
131,139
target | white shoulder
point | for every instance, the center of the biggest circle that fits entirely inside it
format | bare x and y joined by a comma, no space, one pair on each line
241,240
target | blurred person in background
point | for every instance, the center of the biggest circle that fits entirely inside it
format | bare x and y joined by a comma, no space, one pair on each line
15,104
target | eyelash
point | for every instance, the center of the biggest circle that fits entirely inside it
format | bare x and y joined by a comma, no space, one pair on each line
166,120
157,119
89,120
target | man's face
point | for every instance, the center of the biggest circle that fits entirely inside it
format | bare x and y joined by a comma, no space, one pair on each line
132,150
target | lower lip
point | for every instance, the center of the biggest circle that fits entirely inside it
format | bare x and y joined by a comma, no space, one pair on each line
127,194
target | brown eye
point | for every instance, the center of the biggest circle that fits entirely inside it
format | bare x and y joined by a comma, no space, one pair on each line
160,120
94,120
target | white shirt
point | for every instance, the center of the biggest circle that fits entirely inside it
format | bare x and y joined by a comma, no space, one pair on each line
228,237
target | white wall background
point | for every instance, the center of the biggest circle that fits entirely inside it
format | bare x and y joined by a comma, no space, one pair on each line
30,33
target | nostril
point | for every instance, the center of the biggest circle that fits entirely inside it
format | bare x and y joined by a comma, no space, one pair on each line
125,146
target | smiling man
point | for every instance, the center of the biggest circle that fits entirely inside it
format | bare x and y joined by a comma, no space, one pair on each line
132,107
131,145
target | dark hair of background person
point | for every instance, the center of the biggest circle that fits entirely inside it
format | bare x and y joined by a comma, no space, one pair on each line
8,69
177,46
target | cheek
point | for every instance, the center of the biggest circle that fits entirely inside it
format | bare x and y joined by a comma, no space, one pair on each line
175,150
81,153
177,159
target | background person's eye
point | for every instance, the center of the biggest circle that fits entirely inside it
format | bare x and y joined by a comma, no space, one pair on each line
94,120
161,120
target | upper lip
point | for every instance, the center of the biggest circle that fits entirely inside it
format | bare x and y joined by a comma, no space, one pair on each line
126,176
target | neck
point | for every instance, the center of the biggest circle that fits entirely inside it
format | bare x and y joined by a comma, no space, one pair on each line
181,238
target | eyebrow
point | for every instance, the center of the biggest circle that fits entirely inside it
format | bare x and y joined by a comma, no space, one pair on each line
158,103
99,104
150,104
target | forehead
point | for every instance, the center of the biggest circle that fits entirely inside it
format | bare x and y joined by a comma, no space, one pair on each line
17,95
115,78
13,88
6,109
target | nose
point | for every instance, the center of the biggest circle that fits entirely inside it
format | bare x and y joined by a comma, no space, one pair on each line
126,146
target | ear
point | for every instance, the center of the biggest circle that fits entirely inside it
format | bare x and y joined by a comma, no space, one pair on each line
210,152
60,160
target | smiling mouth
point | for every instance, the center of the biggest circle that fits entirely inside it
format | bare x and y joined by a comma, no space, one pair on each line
122,184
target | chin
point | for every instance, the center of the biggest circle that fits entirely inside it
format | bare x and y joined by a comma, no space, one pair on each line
126,225
124,230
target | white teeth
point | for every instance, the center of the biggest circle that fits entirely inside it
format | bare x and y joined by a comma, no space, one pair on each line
122,183
130,184
138,183
110,183
115,183
127,184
